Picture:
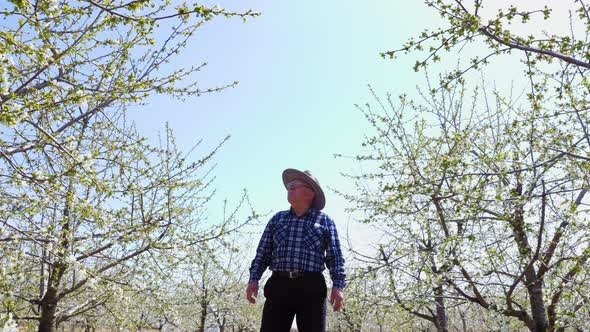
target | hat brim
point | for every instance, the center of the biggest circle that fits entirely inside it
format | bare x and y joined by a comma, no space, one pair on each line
319,200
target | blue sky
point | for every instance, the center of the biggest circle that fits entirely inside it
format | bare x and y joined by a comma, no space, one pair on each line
302,66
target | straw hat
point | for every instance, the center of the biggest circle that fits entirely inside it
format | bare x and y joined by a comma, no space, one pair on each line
291,174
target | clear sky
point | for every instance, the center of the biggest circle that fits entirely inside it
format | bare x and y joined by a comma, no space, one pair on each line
302,66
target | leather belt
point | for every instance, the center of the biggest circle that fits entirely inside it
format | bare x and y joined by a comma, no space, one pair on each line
291,274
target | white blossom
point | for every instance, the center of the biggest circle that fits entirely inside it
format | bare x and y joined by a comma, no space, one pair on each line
82,101
71,259
6,59
53,8
87,163
38,175
10,325
82,274
92,282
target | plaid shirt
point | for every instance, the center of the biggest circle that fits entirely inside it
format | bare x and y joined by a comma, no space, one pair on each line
307,243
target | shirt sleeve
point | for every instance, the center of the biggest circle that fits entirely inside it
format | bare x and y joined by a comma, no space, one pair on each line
334,259
263,253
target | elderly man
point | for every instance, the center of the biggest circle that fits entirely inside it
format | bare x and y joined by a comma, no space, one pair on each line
296,245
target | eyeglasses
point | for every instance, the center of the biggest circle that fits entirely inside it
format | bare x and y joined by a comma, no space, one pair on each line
294,185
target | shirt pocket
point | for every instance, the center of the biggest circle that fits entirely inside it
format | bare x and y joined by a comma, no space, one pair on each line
313,236
280,235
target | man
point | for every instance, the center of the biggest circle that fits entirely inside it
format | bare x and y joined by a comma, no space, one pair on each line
296,245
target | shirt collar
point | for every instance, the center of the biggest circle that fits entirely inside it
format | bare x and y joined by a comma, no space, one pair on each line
308,213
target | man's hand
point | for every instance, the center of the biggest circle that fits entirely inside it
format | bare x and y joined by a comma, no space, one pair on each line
252,291
336,298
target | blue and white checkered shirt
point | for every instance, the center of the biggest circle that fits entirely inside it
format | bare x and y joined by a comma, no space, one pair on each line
306,243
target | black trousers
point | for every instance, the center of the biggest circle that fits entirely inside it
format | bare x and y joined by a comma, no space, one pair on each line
303,297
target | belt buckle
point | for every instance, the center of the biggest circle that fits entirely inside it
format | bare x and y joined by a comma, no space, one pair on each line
293,275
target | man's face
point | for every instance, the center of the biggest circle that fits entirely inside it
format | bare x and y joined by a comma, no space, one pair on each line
299,193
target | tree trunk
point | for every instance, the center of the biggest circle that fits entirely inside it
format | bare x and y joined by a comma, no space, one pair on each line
535,290
48,303
441,314
203,317
533,283
48,309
